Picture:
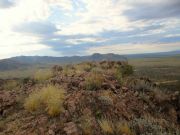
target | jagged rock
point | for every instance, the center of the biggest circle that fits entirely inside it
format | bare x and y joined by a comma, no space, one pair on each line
105,86
136,94
7,100
112,87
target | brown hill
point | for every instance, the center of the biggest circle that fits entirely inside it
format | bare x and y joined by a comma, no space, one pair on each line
91,98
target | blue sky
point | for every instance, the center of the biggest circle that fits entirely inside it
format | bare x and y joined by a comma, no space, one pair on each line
84,27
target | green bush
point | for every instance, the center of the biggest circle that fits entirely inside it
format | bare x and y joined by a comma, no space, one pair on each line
127,70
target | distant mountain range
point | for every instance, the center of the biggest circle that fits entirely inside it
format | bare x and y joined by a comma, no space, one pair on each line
153,55
21,62
27,61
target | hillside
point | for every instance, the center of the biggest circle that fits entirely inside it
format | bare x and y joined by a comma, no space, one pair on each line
9,64
27,61
90,98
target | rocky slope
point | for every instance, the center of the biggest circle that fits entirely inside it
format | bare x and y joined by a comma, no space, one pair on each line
101,98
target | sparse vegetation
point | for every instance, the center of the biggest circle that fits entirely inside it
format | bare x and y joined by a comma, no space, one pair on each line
119,128
68,70
32,103
86,125
147,126
50,96
94,81
2,125
87,102
11,85
163,70
119,76
123,128
42,75
106,126
127,70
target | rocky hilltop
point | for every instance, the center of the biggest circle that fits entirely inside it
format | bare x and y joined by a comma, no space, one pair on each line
91,98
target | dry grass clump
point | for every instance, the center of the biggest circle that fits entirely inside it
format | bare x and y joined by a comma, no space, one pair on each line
106,126
123,128
10,85
51,98
32,103
85,66
94,81
119,128
43,74
119,76
86,125
69,70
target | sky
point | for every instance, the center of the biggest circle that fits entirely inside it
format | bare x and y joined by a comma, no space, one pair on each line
84,27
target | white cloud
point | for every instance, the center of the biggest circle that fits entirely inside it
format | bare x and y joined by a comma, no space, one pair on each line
14,50
64,4
98,16
13,44
172,35
135,48
85,40
23,11
84,17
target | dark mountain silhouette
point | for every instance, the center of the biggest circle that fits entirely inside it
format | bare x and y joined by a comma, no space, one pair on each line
25,61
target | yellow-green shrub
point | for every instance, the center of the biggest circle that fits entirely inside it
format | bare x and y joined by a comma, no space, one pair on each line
51,98
32,103
123,128
110,127
106,126
10,85
42,75
86,125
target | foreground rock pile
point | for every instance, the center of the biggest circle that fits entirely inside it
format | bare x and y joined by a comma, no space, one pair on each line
101,98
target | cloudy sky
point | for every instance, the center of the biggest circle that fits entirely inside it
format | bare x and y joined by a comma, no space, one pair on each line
83,27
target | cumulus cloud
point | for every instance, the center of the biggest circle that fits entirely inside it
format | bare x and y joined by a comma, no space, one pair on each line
69,27
85,40
98,16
